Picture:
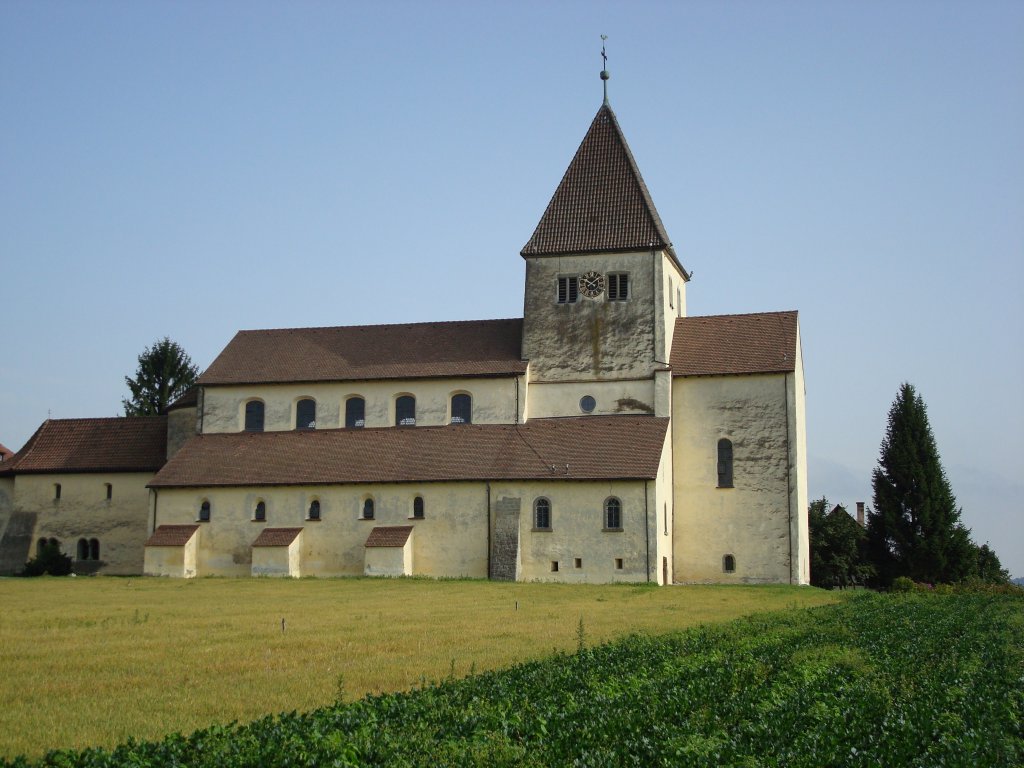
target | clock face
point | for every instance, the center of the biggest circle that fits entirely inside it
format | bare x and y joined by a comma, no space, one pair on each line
592,284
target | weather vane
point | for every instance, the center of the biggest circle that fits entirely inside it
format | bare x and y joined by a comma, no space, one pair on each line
604,70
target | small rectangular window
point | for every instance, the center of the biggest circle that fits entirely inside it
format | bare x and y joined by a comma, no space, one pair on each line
618,563
554,566
618,286
568,290
577,562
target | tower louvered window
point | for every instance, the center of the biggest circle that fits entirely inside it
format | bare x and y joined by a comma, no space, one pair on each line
568,290
618,286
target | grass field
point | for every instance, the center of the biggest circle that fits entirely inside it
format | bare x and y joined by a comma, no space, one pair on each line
92,662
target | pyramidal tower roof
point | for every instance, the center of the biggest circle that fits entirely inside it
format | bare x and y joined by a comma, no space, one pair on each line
602,204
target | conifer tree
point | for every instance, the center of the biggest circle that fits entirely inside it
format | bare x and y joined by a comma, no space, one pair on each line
915,529
164,374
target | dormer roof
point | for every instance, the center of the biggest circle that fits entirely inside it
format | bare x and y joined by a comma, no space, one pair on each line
602,204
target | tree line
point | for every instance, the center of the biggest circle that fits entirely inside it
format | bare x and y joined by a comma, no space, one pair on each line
914,530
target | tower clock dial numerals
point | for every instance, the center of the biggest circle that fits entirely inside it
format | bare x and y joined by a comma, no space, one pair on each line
592,284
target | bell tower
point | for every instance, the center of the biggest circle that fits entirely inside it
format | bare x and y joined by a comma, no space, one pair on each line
603,283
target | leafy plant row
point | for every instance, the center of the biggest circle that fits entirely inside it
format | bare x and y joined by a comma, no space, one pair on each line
896,680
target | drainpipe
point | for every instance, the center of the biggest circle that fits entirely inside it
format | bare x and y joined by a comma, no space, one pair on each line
155,499
647,530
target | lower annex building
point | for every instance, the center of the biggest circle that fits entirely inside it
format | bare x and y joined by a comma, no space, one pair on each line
604,436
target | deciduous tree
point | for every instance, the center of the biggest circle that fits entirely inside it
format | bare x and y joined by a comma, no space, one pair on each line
164,374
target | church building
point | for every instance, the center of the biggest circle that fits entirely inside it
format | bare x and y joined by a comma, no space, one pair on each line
603,436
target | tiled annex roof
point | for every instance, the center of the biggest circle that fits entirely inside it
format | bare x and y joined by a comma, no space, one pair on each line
718,345
363,352
188,399
122,444
276,537
594,447
5,452
171,535
389,536
602,203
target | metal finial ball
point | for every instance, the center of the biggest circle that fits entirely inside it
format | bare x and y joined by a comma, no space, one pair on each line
604,74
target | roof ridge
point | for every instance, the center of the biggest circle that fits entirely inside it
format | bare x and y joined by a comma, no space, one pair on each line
740,314
380,325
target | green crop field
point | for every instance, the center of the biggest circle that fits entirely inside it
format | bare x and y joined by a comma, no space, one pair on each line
93,662
878,680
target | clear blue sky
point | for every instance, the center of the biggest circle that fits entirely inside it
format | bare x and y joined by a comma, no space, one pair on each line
192,168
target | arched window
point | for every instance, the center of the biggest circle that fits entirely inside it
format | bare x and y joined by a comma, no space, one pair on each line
254,416
405,411
94,549
305,414
355,412
613,514
260,514
542,514
54,543
417,507
462,409
724,463
728,563
204,512
40,546
368,509
314,509
83,549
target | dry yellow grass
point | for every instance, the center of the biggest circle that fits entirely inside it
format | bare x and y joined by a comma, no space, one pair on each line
91,662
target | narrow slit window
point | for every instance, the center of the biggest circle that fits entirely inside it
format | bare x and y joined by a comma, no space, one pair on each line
110,491
462,409
724,463
618,286
305,414
94,549
254,416
613,514
542,514
568,290
355,413
56,491
405,411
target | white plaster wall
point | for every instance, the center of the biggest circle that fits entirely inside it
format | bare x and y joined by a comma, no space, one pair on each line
752,520
278,561
577,531
83,511
451,540
798,460
494,402
613,397
390,561
671,302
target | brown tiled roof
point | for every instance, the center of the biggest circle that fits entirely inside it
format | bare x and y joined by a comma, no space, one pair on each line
190,399
362,352
389,536
124,444
602,203
171,535
728,344
276,537
5,452
584,448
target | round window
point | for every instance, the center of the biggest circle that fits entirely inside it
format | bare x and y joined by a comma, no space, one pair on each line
587,404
